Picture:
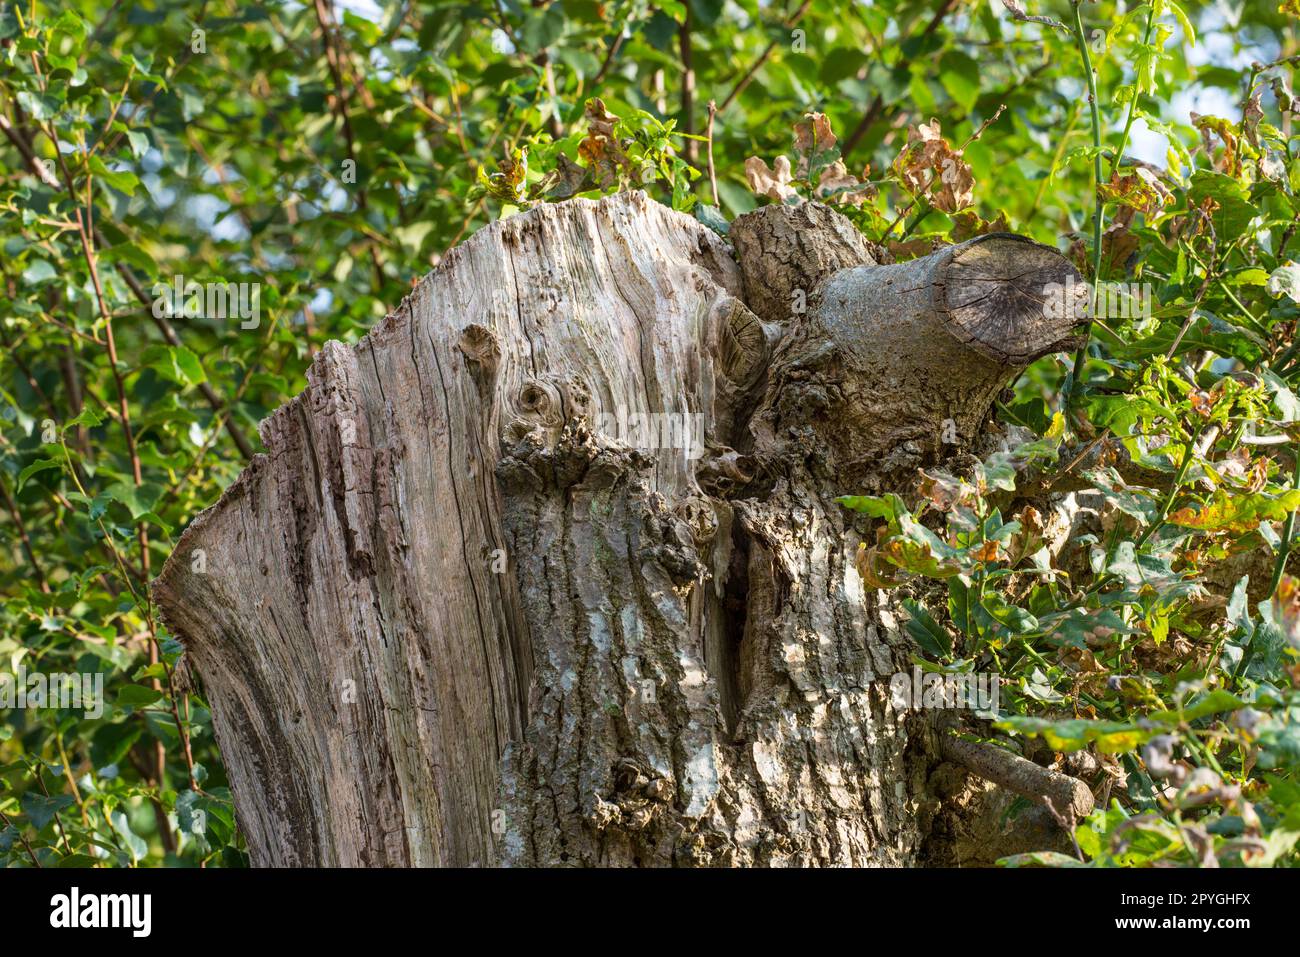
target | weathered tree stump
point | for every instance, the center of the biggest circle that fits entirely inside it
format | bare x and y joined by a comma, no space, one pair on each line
547,569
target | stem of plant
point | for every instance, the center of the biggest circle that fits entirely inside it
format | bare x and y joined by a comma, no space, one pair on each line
1081,356
1132,104
1288,529
917,221
1188,454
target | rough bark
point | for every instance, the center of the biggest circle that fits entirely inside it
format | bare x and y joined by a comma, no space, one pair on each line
470,608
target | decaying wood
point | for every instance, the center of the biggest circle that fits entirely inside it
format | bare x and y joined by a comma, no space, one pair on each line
547,570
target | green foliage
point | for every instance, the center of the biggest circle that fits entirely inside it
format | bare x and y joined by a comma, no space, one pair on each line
156,143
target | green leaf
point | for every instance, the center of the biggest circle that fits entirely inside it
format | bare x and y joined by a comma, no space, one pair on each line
412,237
1248,277
1188,30
139,142
40,106
88,416
132,255
1011,616
889,506
137,696
187,804
1285,281
124,181
40,810
1040,859
139,500
176,363
960,76
1284,400
1235,208
926,631
712,217
40,465
1215,702
135,845
38,271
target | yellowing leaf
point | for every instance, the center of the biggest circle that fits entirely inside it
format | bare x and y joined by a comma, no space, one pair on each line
1237,513
1140,189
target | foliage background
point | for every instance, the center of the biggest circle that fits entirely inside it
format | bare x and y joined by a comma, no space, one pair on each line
217,141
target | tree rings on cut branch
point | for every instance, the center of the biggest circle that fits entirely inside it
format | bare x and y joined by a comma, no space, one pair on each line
1010,298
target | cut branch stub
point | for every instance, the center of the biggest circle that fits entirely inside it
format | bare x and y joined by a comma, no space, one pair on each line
1002,295
892,366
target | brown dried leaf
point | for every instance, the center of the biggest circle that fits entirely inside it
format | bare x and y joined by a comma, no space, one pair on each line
909,249
1209,125
813,133
838,185
566,180
916,163
1202,402
1251,117
874,569
1032,521
958,189
1018,13
1118,250
1286,609
942,490
599,120
1272,164
599,150
772,183
928,161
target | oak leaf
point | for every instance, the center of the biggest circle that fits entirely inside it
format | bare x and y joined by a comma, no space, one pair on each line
772,183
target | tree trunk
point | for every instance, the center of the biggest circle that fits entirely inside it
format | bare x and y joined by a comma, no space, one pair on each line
547,569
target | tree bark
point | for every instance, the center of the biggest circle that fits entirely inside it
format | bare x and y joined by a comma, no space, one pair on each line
547,569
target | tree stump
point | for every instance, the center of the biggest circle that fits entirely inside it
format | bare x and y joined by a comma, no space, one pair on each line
547,569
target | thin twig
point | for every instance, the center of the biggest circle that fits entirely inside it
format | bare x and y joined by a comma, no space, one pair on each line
713,177
23,536
4,819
